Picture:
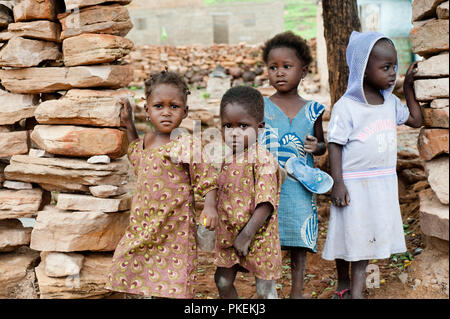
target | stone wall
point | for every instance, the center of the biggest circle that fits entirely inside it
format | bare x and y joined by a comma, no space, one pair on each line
61,149
243,62
430,39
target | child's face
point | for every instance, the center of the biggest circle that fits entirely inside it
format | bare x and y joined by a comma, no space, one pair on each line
382,66
166,107
239,129
285,69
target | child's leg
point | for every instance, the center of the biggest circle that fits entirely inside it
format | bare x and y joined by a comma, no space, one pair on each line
298,264
343,274
266,289
224,278
358,278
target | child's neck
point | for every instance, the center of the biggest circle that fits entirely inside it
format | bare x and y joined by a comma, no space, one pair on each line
372,94
156,139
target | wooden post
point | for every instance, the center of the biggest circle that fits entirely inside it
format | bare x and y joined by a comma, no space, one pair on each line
340,18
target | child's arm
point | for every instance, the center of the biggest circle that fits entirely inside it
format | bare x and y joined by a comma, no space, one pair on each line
209,216
243,240
316,144
126,117
415,118
339,194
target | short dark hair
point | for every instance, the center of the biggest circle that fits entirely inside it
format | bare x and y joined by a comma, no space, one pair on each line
166,77
251,99
288,40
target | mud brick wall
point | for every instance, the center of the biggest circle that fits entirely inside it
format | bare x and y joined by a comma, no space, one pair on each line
429,38
62,154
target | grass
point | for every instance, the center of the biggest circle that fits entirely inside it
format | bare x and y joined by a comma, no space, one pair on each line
299,15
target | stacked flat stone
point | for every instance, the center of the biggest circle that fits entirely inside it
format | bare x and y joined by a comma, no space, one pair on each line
430,40
70,55
18,199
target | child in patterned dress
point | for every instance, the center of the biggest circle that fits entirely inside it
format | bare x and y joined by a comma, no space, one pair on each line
293,129
249,183
157,256
365,220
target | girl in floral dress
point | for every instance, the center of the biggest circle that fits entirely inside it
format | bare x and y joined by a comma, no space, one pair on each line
249,184
157,256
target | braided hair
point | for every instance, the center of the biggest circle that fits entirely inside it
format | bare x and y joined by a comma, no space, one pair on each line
166,77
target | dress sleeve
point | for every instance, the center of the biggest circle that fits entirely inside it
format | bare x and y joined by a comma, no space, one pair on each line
203,174
267,180
134,155
401,111
340,126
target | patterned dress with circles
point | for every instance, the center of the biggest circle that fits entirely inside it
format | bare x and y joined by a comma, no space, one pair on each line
157,256
243,184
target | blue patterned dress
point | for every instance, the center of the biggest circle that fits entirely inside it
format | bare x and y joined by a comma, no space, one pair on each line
297,212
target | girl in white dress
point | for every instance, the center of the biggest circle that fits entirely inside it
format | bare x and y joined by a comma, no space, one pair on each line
365,220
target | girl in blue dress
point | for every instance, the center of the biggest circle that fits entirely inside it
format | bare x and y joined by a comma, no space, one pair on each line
293,129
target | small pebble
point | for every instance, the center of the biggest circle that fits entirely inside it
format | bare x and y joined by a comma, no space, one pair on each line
433,281
99,159
435,287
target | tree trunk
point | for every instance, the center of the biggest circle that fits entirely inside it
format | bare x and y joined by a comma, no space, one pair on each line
340,18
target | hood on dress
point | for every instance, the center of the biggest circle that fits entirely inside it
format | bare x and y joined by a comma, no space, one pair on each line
358,51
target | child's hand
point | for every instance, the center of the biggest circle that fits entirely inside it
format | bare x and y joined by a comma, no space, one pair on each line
409,77
126,112
339,195
311,144
241,243
209,217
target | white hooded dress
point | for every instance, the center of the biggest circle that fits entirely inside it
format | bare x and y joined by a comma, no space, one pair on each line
371,226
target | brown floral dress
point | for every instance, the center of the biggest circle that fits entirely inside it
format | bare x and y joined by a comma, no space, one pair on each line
157,256
249,180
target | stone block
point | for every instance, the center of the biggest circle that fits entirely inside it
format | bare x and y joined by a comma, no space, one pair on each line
90,203
73,4
13,143
17,278
16,107
62,264
66,174
40,29
87,49
434,67
433,142
431,89
439,104
90,283
437,170
422,9
13,235
53,79
23,53
431,37
433,215
57,230
436,118
83,107
77,141
442,10
19,203
113,19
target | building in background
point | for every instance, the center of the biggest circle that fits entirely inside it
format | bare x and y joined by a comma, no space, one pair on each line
189,22
392,18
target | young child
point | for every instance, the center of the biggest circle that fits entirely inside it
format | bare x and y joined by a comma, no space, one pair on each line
293,129
157,256
365,221
249,183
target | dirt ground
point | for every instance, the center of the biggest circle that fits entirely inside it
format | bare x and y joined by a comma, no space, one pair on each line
320,275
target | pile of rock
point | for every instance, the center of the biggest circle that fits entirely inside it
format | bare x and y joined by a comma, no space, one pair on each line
430,39
63,150
242,62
